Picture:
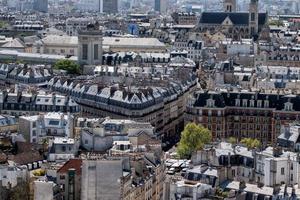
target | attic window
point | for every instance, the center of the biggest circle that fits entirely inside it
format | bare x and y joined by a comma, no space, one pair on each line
245,102
266,104
259,103
288,106
237,103
38,99
210,103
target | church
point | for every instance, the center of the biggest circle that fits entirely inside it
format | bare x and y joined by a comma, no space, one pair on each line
233,24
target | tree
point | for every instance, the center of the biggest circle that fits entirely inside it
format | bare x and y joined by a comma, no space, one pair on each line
232,140
70,66
193,138
251,143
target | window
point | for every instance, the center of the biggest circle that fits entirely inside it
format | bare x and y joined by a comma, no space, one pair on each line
33,124
62,177
96,49
259,103
63,148
252,30
84,52
292,177
34,133
245,102
282,171
252,17
266,104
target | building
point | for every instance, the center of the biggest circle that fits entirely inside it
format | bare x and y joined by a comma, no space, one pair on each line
233,24
37,128
289,137
110,6
11,175
192,47
74,25
161,6
188,189
46,190
69,178
184,18
138,175
243,114
102,135
8,124
102,6
162,103
90,46
62,149
96,174
25,74
57,44
40,5
230,6
19,103
69,45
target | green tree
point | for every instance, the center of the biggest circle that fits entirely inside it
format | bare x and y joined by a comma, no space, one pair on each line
232,140
251,143
193,138
70,66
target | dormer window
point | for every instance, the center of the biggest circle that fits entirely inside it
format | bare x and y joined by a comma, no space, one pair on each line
288,106
266,104
245,102
210,103
237,102
259,103
252,103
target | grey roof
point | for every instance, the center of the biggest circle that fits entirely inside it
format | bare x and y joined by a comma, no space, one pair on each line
237,18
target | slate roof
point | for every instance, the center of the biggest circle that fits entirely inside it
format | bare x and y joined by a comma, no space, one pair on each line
223,99
237,18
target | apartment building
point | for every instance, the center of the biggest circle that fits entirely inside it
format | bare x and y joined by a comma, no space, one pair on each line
243,114
162,105
130,177
39,127
69,178
27,103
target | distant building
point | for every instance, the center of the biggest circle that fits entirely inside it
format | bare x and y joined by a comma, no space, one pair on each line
102,6
74,25
62,149
185,18
90,46
110,6
243,113
235,24
8,124
161,6
39,127
25,74
40,5
162,103
97,174
138,176
17,103
102,134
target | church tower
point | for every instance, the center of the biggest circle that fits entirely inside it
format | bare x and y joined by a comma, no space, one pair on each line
229,5
253,17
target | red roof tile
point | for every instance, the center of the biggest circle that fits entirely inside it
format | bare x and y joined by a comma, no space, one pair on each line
72,163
